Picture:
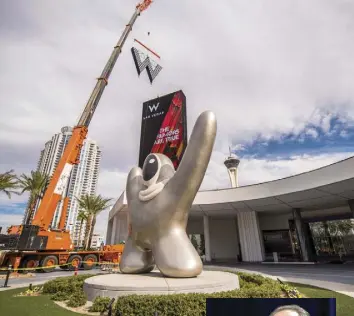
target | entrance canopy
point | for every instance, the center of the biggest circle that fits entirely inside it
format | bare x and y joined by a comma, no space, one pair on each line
328,187
331,186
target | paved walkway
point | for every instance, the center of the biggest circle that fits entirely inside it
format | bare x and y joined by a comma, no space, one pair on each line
40,278
339,278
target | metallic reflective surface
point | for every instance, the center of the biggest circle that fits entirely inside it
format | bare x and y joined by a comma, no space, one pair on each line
158,218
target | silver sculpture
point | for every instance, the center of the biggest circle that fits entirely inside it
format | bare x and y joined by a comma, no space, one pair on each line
159,199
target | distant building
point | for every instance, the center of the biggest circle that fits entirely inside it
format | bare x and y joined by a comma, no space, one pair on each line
83,179
96,241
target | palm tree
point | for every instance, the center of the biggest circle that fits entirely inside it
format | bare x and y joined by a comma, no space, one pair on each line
92,205
35,184
82,216
8,183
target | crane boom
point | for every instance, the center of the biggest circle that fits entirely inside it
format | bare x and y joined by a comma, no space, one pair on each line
54,191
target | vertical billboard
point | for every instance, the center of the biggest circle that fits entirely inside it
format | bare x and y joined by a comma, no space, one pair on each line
164,127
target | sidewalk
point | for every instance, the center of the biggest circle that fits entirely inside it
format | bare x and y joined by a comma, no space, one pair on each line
345,289
332,286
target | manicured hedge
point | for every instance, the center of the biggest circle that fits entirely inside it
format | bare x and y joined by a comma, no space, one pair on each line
194,304
100,304
77,299
67,289
70,289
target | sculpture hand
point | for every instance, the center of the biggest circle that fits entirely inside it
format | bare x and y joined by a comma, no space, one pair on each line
186,182
178,194
159,200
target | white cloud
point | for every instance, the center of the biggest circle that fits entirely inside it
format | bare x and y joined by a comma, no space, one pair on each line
7,220
312,132
265,70
252,171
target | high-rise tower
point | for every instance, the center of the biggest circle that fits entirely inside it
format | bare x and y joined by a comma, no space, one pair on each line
231,164
83,178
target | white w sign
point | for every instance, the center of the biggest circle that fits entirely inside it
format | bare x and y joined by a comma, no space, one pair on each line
142,61
154,107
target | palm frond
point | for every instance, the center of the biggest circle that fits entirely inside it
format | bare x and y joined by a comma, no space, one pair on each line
9,183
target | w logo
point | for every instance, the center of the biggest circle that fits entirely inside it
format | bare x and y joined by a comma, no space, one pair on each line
142,61
154,107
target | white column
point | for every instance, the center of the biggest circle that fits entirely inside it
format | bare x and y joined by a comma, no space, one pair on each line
250,237
300,228
118,229
122,227
114,229
351,205
206,237
109,232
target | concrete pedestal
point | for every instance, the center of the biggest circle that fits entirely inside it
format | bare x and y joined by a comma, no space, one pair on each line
115,285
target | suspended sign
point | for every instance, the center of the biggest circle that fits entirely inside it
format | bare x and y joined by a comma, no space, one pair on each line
143,60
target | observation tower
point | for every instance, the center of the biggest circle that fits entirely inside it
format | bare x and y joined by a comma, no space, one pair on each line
231,163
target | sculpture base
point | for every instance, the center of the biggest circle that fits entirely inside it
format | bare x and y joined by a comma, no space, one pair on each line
115,285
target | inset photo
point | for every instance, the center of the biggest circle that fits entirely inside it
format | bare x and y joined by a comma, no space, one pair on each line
271,307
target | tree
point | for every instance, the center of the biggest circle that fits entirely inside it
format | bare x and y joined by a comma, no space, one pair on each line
194,242
332,228
92,205
8,183
36,184
328,235
202,244
82,216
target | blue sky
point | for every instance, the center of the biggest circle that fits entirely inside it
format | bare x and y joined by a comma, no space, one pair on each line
312,139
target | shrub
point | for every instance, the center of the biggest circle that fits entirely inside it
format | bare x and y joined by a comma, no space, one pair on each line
100,304
63,287
251,286
290,291
175,304
31,292
60,296
253,278
77,299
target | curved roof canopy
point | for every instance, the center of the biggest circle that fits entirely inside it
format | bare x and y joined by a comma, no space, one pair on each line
326,187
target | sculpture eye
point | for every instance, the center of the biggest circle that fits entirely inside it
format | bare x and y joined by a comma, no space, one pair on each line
151,167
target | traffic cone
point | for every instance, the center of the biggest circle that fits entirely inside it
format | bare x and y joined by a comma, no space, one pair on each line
76,270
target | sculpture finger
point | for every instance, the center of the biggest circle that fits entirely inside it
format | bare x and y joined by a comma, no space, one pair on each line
190,173
134,183
175,256
134,260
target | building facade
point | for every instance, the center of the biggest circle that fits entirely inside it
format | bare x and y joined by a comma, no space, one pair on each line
97,241
306,217
83,178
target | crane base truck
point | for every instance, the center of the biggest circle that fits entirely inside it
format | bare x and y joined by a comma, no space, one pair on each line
28,249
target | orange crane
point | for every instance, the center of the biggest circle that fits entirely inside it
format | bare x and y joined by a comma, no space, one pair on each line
39,236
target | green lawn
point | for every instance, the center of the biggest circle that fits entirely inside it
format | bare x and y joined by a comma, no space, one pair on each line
345,304
43,306
29,306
